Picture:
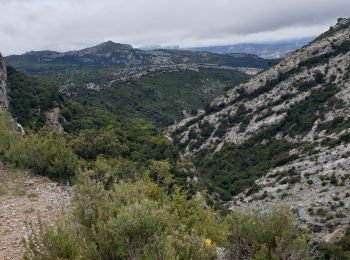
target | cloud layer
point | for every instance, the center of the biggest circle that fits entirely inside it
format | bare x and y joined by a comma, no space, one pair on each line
71,24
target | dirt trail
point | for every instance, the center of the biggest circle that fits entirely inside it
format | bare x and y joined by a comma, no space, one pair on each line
23,197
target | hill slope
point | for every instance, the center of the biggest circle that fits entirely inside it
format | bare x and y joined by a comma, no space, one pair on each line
159,94
282,137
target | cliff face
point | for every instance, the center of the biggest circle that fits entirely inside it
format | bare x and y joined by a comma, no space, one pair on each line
4,102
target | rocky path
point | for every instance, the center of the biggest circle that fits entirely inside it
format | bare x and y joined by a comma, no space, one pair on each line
24,197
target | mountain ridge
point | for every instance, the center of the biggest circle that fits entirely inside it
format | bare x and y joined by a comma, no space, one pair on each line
273,50
110,54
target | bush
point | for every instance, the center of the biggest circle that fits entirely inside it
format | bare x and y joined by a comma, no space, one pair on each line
336,250
274,236
130,221
112,170
47,155
91,143
7,133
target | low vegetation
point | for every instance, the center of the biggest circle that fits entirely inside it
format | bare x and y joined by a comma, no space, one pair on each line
235,168
139,220
128,204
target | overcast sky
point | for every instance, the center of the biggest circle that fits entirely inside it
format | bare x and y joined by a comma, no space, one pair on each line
73,24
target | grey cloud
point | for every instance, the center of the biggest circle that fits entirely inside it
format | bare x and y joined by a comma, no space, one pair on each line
66,24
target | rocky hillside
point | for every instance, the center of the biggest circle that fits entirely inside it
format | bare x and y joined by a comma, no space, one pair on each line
110,54
3,90
283,137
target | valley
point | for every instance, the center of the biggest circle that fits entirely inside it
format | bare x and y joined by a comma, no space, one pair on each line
174,154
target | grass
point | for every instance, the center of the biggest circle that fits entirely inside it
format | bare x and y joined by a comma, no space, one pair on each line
29,211
3,189
32,194
18,190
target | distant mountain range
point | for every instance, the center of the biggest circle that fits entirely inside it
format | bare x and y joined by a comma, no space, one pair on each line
267,50
110,54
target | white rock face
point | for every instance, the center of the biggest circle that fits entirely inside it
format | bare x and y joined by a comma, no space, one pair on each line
268,107
4,101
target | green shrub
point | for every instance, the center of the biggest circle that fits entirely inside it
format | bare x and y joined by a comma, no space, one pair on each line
336,250
7,133
236,167
47,155
273,236
90,143
130,221
116,169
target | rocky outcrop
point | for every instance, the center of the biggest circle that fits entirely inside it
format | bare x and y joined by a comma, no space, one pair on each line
4,101
52,119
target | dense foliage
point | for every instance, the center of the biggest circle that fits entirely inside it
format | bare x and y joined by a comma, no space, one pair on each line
272,237
47,154
30,98
236,168
161,98
92,133
99,132
129,221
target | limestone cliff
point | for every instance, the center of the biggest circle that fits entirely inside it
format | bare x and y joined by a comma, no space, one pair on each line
4,102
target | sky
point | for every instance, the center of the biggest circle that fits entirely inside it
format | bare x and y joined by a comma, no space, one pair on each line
63,25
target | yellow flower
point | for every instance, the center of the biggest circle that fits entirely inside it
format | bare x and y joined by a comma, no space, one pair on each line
208,242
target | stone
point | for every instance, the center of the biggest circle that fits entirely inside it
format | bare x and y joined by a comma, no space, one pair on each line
4,100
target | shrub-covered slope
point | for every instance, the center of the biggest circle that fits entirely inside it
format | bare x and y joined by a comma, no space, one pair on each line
282,137
160,95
